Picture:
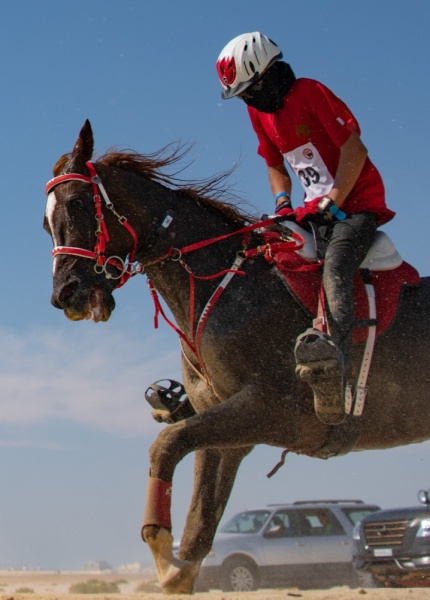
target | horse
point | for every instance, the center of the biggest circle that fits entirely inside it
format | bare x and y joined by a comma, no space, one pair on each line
237,320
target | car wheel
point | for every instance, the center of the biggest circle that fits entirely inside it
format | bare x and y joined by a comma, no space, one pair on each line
239,575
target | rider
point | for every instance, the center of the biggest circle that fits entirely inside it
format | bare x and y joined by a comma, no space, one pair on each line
302,122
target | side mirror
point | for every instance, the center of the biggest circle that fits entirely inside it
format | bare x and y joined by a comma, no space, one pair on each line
423,497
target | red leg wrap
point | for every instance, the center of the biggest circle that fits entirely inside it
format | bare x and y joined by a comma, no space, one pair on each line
158,502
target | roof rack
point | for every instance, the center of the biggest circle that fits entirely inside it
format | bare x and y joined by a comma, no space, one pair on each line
298,502
347,501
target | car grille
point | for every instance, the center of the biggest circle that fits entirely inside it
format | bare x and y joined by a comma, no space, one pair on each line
385,533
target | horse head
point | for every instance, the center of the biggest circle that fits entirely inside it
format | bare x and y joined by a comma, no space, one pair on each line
79,224
116,212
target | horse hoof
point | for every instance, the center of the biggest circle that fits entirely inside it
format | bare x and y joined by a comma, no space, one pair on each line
161,416
180,578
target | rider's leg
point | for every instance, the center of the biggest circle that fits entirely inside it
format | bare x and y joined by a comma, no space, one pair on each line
322,361
349,244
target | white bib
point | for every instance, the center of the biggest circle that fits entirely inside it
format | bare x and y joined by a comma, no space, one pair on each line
311,170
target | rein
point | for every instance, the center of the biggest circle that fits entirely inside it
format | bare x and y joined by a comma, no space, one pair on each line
130,267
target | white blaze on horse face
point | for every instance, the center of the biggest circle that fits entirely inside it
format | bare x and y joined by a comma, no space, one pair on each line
50,209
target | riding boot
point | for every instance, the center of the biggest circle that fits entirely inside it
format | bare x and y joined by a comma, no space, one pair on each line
320,364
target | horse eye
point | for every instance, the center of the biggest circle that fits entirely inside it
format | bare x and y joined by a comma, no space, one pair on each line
75,203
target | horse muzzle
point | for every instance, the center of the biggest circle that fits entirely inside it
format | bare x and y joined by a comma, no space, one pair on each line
79,302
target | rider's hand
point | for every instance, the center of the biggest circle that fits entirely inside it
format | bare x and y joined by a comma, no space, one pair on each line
322,208
284,209
328,208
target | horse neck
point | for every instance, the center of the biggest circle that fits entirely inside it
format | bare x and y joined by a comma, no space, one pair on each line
192,222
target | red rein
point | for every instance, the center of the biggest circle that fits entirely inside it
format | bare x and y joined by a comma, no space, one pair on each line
130,268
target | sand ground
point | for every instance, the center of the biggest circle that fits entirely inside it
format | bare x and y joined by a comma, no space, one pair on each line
27,585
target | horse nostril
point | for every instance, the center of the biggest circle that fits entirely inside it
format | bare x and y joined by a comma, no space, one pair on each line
64,295
54,301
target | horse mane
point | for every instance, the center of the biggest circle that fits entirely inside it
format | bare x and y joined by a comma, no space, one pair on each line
214,193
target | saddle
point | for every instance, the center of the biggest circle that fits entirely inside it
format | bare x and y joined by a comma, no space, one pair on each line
383,268
377,290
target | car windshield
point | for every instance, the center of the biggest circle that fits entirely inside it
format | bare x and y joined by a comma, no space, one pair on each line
356,514
247,522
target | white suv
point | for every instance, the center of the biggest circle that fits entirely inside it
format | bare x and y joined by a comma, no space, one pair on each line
304,544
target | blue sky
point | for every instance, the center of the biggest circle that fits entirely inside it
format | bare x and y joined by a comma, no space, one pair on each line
74,426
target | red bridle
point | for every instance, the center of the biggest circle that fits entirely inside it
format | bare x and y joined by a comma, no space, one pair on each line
126,268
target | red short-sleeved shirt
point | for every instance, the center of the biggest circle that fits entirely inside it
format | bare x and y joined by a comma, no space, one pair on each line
308,132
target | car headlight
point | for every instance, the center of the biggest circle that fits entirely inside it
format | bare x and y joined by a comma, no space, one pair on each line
356,532
424,530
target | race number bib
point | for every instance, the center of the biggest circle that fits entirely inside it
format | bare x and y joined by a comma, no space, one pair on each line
311,170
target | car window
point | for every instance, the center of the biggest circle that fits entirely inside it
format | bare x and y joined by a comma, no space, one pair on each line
356,514
282,524
247,522
319,522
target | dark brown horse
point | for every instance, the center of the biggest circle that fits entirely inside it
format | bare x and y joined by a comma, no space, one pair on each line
238,361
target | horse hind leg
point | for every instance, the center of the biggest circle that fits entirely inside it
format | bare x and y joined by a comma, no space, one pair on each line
214,476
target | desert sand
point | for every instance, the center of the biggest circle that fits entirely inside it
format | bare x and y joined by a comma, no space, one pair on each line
26,585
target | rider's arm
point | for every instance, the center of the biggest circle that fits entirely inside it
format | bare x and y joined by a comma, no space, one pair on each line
353,155
279,181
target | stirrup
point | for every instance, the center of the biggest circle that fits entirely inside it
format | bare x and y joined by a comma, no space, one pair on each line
167,398
319,363
319,346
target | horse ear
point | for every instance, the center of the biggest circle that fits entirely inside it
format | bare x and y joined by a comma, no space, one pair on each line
83,149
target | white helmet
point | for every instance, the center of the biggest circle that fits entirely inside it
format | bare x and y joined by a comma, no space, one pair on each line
244,60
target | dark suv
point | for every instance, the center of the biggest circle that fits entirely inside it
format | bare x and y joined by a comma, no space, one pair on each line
304,544
393,546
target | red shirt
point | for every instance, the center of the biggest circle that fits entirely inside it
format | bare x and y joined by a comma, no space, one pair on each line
308,132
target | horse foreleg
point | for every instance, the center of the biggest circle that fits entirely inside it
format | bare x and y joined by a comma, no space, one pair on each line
175,576
214,475
229,429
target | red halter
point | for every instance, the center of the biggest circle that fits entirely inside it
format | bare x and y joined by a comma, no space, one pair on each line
127,268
